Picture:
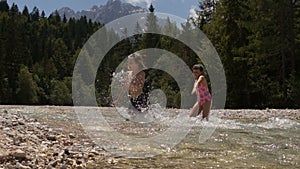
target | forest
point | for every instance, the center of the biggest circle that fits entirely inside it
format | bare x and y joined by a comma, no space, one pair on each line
257,41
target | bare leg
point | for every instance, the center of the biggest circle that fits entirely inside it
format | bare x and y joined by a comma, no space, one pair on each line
206,109
200,110
195,110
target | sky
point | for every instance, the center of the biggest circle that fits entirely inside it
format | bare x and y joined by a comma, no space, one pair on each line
181,8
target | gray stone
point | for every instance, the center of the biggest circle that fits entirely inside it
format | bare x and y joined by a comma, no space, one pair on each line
19,154
71,135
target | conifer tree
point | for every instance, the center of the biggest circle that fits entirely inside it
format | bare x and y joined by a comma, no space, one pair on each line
205,14
35,14
151,40
27,88
229,37
4,6
137,38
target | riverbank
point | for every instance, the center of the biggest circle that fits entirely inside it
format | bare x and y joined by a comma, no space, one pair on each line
51,137
251,114
27,142
247,114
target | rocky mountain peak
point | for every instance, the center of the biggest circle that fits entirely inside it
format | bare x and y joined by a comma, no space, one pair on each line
112,10
113,3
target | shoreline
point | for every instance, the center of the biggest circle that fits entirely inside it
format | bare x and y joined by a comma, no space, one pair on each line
243,114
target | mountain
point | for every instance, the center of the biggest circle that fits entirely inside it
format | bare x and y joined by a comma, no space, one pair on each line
105,13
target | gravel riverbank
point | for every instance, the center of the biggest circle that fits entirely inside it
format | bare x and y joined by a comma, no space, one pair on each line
25,143
260,114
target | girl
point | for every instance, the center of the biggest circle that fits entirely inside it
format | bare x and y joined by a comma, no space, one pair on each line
203,95
135,84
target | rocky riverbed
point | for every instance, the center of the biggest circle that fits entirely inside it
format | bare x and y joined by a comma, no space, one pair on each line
26,143
35,141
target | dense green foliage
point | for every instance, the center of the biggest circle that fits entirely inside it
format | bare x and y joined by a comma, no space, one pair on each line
37,55
258,42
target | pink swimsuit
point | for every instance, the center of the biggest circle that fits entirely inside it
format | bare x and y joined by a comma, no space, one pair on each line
203,94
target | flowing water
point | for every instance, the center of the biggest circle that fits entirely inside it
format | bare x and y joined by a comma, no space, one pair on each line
272,143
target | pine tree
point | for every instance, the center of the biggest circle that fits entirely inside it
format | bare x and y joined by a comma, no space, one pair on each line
294,81
151,24
138,35
151,39
296,60
189,57
205,14
39,45
43,15
171,28
4,92
61,57
35,14
27,88
14,10
65,20
60,93
26,13
229,37
271,44
4,6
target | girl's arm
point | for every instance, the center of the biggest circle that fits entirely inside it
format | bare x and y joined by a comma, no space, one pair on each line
194,88
200,79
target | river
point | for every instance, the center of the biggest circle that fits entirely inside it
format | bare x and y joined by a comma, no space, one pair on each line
234,143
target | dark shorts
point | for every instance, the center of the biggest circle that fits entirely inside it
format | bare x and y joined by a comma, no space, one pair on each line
139,103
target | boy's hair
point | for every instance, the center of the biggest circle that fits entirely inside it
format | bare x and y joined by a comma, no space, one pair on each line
198,67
